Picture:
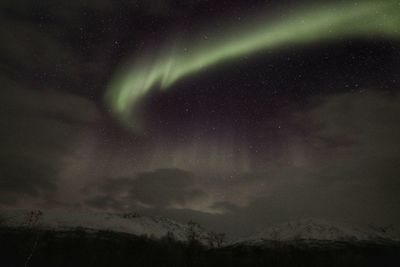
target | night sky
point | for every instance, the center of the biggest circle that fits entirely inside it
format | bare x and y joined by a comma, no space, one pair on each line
235,114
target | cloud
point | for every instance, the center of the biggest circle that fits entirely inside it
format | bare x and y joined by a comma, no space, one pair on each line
22,176
355,180
161,189
38,128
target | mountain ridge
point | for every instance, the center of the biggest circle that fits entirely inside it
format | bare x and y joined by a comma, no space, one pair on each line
131,223
312,229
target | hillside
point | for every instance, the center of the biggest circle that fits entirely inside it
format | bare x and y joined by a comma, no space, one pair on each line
130,223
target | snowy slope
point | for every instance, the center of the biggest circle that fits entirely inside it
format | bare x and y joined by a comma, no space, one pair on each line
314,229
128,223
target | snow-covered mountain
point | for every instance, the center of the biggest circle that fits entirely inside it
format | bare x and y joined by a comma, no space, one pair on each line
131,223
320,230
308,230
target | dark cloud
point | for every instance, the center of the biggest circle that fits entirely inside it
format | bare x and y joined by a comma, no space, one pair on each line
161,189
22,176
167,186
37,129
40,119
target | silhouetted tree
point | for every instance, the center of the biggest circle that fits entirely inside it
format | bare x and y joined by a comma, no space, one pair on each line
194,232
169,237
215,240
130,215
33,219
2,220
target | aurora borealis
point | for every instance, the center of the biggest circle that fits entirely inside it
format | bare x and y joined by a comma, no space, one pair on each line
313,24
235,114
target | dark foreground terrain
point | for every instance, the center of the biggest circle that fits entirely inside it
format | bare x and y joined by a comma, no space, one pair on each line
33,247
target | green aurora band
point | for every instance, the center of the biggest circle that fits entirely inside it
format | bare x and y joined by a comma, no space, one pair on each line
380,18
